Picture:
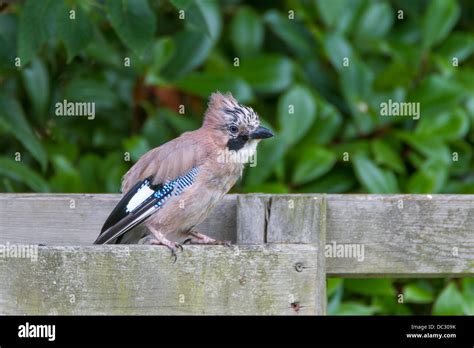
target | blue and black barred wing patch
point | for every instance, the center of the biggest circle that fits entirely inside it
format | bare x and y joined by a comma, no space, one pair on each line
142,201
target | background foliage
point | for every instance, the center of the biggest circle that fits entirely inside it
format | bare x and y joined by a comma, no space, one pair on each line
281,62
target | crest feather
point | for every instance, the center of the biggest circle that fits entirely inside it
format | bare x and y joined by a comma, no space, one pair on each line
218,100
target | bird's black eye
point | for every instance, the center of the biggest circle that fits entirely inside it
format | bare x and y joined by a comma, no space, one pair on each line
233,129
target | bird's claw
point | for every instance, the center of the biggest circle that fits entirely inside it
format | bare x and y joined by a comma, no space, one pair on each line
170,245
226,243
173,254
173,249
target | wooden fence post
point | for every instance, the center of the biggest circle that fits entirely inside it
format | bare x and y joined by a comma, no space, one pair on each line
287,219
252,214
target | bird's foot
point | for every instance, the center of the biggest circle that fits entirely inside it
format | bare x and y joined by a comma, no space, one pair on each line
173,246
199,238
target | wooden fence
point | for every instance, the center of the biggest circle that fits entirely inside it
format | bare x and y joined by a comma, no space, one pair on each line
285,247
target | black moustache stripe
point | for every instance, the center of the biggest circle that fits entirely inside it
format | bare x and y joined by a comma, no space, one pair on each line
237,143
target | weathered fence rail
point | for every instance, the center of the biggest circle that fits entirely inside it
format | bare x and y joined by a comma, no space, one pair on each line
286,245
144,280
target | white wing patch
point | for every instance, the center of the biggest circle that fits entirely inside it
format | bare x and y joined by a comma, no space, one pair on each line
142,194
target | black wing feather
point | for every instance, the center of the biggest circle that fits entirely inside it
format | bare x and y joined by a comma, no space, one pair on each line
124,216
120,220
128,222
119,211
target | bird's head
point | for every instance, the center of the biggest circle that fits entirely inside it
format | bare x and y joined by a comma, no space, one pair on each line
237,125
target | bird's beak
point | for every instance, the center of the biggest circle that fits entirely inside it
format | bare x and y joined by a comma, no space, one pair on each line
261,133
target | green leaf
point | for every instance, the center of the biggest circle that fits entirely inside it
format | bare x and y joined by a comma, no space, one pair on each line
338,14
331,118
431,147
246,32
203,84
333,284
396,73
354,308
153,129
466,80
370,287
89,165
36,81
136,145
386,155
336,181
267,73
372,178
271,187
204,16
459,45
115,167
8,30
337,49
421,182
436,93
182,62
37,24
67,178
414,293
62,146
89,90
296,113
440,18
375,21
356,85
181,4
449,302
468,286
330,11
76,33
102,51
463,151
180,123
133,21
468,295
13,119
313,162
20,172
163,50
335,300
354,147
437,169
390,305
448,125
291,32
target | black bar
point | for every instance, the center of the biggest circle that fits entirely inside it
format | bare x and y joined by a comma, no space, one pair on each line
138,330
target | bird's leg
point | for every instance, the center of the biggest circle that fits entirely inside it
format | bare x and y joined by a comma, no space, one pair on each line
160,239
199,238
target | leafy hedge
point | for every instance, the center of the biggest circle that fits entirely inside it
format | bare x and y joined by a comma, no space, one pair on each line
140,60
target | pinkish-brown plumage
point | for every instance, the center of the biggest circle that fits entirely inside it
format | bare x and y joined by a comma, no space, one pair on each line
228,127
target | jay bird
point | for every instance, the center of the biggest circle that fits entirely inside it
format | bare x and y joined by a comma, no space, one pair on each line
172,188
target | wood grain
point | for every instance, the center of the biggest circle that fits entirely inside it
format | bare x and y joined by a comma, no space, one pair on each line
76,219
252,215
403,235
135,279
429,236
294,219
